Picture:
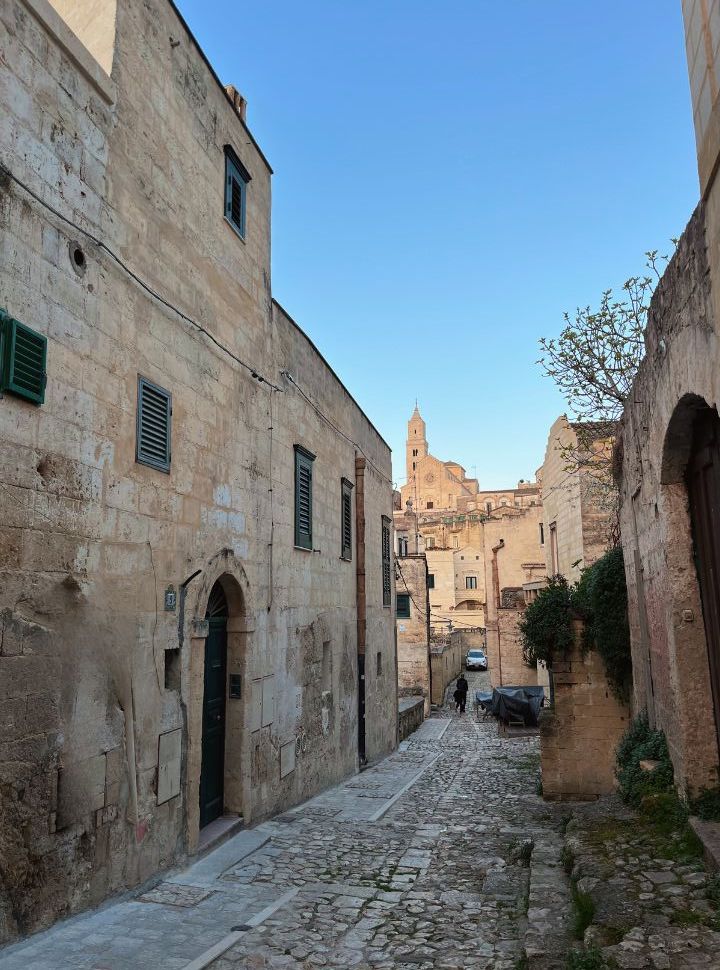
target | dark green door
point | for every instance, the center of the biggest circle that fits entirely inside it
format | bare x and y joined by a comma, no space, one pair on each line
212,775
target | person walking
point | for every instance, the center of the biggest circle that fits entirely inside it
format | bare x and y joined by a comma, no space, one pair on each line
461,688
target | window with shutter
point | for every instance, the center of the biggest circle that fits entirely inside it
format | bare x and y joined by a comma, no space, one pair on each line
23,359
346,520
386,573
154,415
303,497
236,181
402,606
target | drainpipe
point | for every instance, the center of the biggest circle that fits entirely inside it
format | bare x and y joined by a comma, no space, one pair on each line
360,597
496,590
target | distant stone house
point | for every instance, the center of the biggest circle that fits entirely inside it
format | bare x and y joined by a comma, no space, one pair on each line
442,513
668,462
413,627
577,495
195,515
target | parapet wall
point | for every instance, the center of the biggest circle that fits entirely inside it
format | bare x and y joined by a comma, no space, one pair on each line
579,735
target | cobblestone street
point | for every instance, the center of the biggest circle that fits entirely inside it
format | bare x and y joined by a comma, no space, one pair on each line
440,856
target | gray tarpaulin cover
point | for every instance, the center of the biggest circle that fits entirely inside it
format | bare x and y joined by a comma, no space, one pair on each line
513,702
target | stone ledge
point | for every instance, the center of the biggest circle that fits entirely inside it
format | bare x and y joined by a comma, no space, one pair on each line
709,835
73,48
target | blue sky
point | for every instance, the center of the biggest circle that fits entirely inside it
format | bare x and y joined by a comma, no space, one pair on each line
449,178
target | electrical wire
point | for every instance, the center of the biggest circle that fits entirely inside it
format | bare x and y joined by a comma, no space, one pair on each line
335,428
444,619
189,320
145,286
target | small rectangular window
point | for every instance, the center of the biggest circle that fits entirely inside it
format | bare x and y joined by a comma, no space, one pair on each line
23,359
346,520
154,417
542,534
402,605
236,181
430,505
430,542
471,582
378,669
386,570
554,558
303,497
431,580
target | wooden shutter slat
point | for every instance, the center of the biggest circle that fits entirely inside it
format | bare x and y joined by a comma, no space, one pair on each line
24,355
153,436
303,499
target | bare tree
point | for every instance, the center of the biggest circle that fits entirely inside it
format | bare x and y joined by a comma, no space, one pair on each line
594,361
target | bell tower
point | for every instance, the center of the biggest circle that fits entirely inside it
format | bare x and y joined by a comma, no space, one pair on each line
416,446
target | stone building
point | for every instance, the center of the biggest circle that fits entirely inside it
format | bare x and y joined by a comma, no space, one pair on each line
432,485
668,460
194,562
514,563
441,512
413,627
578,501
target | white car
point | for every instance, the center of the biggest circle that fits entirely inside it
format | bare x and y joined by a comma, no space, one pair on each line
476,660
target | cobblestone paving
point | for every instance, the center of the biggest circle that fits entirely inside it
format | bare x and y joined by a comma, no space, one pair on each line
654,907
440,856
442,880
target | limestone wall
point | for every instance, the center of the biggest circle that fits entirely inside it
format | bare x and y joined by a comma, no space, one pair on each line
577,511
678,378
107,565
413,632
446,660
702,42
579,735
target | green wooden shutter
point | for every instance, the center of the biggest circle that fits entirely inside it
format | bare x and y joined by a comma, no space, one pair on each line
154,415
346,520
23,360
386,574
402,606
303,497
236,181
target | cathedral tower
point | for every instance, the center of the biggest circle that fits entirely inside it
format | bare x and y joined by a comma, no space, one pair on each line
416,446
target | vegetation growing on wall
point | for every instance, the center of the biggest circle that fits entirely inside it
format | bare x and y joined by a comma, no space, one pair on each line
546,627
600,599
641,743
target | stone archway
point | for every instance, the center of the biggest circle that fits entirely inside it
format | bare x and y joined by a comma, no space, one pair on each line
692,731
222,581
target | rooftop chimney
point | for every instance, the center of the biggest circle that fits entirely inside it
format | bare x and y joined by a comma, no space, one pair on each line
238,101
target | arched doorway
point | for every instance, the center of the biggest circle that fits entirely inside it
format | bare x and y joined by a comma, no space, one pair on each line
703,484
212,773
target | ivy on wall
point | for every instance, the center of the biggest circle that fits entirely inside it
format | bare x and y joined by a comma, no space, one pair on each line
600,600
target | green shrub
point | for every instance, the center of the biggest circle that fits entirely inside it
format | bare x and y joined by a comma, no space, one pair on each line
584,911
601,598
546,629
591,959
640,743
707,805
712,892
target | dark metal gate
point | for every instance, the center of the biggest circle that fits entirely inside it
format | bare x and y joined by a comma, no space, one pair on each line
703,483
212,774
